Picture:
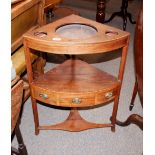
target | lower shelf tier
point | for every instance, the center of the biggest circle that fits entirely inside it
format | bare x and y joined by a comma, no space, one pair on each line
75,83
74,123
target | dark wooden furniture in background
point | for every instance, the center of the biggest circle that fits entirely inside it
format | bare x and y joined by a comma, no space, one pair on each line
26,15
123,13
75,83
60,12
100,14
138,56
16,1
49,6
16,101
54,12
51,3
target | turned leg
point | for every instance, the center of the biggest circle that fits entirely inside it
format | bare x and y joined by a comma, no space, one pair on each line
123,13
49,13
133,96
100,15
35,115
124,22
21,146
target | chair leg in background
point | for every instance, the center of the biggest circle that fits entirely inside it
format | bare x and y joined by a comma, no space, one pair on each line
133,96
21,146
132,119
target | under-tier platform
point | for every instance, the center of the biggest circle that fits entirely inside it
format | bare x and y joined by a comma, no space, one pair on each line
74,84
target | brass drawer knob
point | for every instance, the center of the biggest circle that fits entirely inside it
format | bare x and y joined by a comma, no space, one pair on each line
76,100
44,96
109,94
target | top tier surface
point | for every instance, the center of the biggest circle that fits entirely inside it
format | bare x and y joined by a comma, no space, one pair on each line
76,35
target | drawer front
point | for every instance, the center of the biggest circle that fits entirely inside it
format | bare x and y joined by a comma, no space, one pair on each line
103,97
86,100
76,100
44,95
72,100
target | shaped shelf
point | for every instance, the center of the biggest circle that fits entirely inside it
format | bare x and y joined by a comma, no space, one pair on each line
75,84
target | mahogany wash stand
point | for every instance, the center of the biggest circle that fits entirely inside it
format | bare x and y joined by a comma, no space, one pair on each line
75,83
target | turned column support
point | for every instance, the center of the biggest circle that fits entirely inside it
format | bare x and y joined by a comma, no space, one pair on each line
100,15
123,13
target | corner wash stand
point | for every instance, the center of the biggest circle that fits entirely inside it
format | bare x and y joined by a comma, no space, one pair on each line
75,83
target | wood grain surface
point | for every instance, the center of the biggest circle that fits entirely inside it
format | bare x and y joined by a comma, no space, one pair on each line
15,1
16,101
107,38
74,79
25,15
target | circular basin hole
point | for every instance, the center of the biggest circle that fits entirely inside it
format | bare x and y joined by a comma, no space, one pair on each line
40,34
76,31
111,33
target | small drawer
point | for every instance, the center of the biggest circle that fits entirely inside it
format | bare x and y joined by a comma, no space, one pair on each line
109,95
77,100
44,95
